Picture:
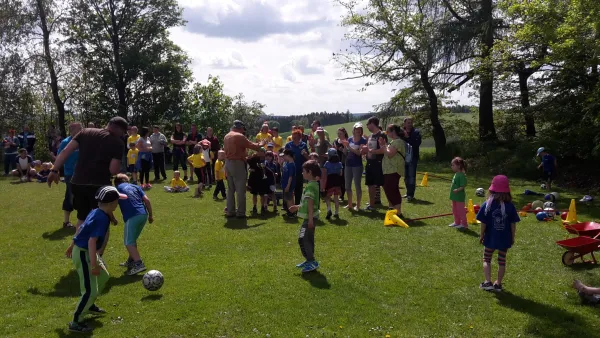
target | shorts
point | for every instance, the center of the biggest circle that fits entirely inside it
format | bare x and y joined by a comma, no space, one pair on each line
84,199
334,191
288,196
132,168
374,173
548,176
133,228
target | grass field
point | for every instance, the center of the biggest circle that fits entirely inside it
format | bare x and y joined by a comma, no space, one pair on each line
237,278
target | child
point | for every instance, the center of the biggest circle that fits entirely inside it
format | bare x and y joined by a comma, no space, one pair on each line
257,183
332,181
457,194
136,210
309,211
314,157
498,217
208,157
132,157
42,175
37,165
272,171
588,294
197,162
177,184
87,241
288,180
23,164
220,175
322,146
549,166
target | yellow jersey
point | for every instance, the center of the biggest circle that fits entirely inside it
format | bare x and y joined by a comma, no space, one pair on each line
263,137
288,139
132,156
277,143
197,160
219,170
178,183
132,139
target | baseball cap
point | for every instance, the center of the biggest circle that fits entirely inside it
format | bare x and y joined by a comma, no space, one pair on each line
357,125
332,152
120,122
270,144
237,124
108,193
540,150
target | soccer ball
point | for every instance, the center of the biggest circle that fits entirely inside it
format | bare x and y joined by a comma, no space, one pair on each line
543,186
480,192
548,205
153,280
555,194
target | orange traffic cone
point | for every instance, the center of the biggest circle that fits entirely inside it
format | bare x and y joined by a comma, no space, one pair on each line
425,180
572,215
392,219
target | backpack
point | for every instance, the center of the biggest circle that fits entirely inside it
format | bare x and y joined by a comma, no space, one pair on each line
409,153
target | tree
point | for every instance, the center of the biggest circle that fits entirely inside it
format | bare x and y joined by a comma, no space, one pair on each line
207,105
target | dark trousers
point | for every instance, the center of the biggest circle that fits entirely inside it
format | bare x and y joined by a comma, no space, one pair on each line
179,158
159,165
208,174
68,201
298,189
9,163
145,172
306,240
410,177
220,188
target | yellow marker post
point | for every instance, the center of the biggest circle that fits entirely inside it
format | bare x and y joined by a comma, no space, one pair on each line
392,219
424,182
572,215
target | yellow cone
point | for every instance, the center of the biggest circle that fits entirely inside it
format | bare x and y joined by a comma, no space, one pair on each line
424,181
391,219
572,215
471,217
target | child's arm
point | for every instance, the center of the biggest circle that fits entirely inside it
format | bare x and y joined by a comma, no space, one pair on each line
149,208
93,261
459,189
311,221
101,251
481,233
513,227
323,179
289,184
555,163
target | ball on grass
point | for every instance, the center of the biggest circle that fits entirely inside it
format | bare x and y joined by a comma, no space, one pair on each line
153,280
541,216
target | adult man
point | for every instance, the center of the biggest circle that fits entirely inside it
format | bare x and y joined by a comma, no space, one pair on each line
236,149
11,147
27,141
69,169
99,158
158,141
133,136
193,138
314,126
300,149
374,170
214,147
413,137
178,140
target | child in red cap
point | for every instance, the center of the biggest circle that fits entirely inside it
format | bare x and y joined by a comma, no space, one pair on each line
498,217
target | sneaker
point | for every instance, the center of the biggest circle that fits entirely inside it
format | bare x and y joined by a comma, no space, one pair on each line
67,225
94,309
356,208
136,268
263,210
310,266
148,186
336,216
405,196
185,178
588,299
453,225
328,215
128,263
498,287
215,198
79,327
487,286
459,227
369,208
254,210
302,265
290,215
410,198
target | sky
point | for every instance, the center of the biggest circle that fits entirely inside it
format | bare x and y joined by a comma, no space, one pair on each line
277,52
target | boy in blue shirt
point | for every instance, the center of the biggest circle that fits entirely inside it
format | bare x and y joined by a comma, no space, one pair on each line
549,166
136,210
288,180
89,239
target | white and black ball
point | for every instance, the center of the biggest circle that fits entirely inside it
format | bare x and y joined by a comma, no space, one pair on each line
153,280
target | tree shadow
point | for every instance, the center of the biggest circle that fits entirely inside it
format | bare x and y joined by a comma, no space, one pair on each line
546,320
240,224
58,234
93,323
420,202
154,297
67,286
316,279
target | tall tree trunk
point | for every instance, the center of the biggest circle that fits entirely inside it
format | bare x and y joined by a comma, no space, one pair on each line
116,44
439,137
524,90
60,105
487,130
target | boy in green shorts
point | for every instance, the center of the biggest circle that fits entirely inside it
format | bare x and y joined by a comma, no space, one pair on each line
309,211
88,240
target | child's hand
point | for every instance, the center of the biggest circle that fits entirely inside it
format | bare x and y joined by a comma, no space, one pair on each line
96,271
69,252
114,221
481,239
294,208
311,224
150,219
287,189
455,191
382,141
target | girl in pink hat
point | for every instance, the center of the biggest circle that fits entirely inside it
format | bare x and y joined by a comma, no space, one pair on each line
498,217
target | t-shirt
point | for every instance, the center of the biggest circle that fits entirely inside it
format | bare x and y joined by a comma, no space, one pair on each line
158,143
178,136
214,143
321,148
263,137
548,163
333,168
97,148
396,163
288,170
95,226
219,170
178,183
288,139
339,146
353,160
498,232
373,144
236,145
11,149
132,156
311,191
71,161
316,136
134,204
197,137
297,149
277,143
24,163
197,160
207,155
459,180
132,139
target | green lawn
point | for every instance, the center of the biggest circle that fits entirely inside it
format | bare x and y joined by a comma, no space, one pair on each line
237,278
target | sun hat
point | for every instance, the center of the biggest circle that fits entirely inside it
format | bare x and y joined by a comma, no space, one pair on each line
107,194
357,125
540,150
500,184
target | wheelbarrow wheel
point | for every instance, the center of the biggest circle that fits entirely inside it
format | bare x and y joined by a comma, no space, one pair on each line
568,258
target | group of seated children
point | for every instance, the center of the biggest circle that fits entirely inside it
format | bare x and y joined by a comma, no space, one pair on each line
200,162
28,169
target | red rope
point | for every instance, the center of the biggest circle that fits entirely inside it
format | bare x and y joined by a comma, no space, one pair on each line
428,217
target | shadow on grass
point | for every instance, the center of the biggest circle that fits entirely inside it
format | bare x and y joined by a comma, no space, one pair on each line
67,286
121,280
151,298
291,220
316,279
420,202
339,222
240,224
92,323
469,232
414,224
583,266
58,234
547,320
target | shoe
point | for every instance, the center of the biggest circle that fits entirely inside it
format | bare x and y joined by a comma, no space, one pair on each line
410,198
498,287
263,210
347,207
135,268
254,211
369,208
302,265
164,178
460,227
148,186
328,215
405,196
128,263
290,215
453,225
356,208
229,215
588,299
96,310
310,266
67,225
185,178
215,198
79,327
487,286
336,216
241,216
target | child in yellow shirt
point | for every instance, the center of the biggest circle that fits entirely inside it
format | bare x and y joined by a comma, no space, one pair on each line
177,184
220,175
132,157
197,162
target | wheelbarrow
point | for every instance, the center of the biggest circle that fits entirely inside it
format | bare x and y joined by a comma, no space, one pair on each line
587,229
578,247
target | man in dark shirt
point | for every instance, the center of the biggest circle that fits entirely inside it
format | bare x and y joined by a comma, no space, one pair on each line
193,138
178,140
100,153
27,140
374,168
413,137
